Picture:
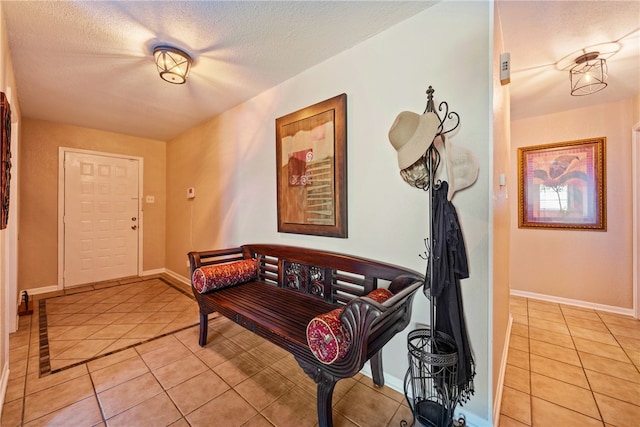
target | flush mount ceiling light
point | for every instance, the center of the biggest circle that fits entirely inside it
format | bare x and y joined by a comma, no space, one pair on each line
588,75
173,64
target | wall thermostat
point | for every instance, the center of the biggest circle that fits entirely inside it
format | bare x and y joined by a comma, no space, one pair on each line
505,68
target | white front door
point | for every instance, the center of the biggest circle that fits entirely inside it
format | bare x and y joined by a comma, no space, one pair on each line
101,223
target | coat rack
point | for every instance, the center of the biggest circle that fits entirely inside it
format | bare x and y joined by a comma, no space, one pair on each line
431,382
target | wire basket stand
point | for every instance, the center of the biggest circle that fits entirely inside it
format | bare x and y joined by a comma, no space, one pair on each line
431,378
430,384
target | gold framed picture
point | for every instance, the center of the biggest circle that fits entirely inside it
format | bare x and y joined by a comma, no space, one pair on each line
562,185
311,155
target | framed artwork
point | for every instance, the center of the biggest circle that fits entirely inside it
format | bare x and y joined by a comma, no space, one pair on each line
5,154
562,185
311,156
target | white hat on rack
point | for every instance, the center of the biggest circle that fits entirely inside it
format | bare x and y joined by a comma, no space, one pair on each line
462,166
411,134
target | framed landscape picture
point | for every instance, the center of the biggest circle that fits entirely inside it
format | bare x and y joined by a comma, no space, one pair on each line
311,151
562,185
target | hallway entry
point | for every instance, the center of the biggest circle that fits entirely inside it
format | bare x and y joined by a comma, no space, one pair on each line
100,218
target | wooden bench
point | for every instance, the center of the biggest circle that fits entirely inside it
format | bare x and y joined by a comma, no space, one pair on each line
294,285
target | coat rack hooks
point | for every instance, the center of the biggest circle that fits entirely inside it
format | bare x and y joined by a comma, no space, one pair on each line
447,115
424,175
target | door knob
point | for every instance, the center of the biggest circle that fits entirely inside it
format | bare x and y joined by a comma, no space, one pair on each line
134,227
133,218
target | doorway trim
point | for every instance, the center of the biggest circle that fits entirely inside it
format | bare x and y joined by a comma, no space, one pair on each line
635,150
61,197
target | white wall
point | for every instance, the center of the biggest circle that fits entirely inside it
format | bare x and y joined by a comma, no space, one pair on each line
448,47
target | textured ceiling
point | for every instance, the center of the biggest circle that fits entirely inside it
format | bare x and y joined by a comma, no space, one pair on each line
545,37
89,63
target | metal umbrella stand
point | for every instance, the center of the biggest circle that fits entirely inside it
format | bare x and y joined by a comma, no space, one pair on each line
431,381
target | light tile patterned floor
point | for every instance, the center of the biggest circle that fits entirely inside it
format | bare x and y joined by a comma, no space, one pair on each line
571,366
109,317
238,379
566,366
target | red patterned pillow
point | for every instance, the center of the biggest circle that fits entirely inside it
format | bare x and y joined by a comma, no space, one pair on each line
220,276
327,337
380,295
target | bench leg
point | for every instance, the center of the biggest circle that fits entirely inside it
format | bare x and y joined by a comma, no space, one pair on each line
204,328
376,369
325,395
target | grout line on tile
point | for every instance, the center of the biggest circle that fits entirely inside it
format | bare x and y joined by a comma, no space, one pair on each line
616,339
45,360
95,395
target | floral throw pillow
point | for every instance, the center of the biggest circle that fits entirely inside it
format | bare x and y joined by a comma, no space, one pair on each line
380,295
220,276
328,339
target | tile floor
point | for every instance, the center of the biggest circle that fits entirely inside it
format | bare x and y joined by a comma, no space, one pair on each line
238,379
566,366
571,366
113,316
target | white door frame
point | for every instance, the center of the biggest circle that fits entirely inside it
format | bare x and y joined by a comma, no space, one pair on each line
61,196
635,149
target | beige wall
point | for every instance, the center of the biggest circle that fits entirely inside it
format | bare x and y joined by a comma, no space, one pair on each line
8,236
501,213
589,266
38,245
205,158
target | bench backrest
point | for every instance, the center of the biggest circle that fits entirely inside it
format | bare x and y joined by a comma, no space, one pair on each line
334,277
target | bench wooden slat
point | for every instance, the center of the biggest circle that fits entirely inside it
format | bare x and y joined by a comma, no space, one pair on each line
289,318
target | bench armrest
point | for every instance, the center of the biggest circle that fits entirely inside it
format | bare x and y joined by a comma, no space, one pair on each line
372,324
220,256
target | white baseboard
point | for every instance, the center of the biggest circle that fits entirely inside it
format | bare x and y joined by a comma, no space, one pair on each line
47,289
152,272
574,302
177,276
503,367
4,382
42,290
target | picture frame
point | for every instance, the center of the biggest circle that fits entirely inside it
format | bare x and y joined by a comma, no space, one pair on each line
563,185
5,159
311,164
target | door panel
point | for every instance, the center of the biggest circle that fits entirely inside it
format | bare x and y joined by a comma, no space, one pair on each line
100,218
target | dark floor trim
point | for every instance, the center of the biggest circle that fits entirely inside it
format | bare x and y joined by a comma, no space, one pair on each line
44,358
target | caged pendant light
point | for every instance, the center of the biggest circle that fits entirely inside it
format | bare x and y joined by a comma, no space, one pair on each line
589,75
173,64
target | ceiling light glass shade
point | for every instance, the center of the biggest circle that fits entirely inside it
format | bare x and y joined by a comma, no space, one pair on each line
589,75
173,64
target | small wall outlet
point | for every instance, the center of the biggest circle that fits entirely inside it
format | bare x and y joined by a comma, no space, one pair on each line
191,192
150,199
